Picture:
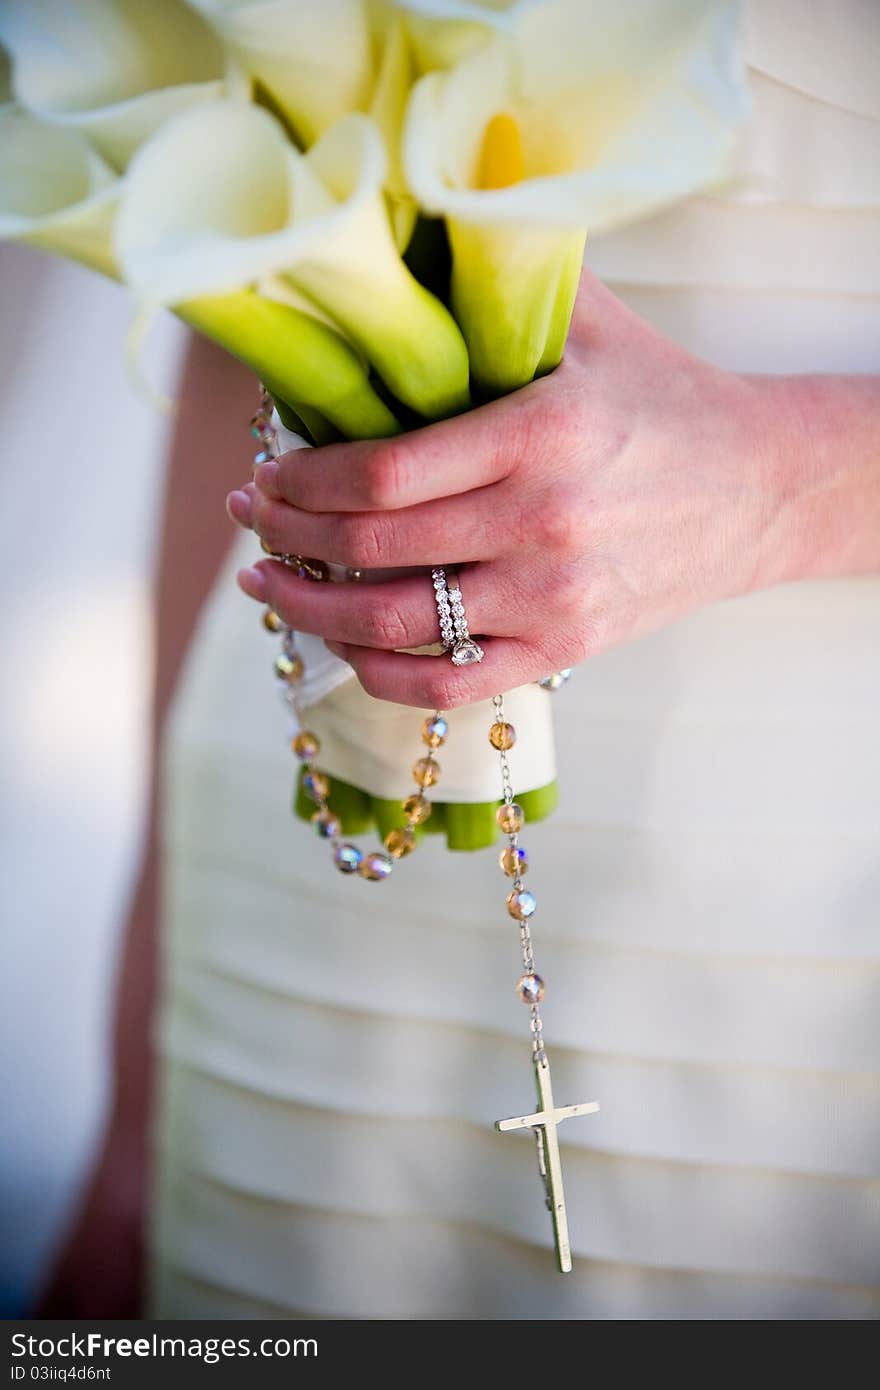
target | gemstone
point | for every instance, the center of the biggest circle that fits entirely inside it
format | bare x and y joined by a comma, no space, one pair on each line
400,842
426,772
511,817
530,989
306,745
347,858
467,653
521,904
271,621
375,866
288,668
262,457
514,861
417,808
556,680
316,785
502,736
327,825
434,731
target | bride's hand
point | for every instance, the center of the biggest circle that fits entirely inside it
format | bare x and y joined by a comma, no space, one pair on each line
634,484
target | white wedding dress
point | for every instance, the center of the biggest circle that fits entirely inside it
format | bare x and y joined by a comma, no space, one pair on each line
335,1054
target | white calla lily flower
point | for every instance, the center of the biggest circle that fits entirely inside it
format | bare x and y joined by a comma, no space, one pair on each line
219,198
313,63
56,192
313,60
587,116
114,70
443,31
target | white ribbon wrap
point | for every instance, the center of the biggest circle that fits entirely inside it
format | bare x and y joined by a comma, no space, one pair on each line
373,743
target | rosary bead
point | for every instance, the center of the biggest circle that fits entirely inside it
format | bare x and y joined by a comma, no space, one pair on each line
417,808
375,866
530,989
316,785
426,772
347,858
271,621
327,825
502,736
514,861
306,745
400,842
521,904
511,818
556,680
289,668
434,731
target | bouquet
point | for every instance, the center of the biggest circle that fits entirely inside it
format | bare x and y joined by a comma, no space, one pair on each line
380,206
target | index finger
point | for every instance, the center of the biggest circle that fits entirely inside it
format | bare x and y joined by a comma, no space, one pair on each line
441,460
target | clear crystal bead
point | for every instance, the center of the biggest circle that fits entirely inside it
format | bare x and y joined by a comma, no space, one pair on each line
530,989
347,858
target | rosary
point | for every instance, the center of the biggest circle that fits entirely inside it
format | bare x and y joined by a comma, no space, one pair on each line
377,865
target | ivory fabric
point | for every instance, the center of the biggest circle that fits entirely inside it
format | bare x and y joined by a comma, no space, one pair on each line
334,1054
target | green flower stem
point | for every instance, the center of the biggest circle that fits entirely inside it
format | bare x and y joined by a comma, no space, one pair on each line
513,291
301,360
467,826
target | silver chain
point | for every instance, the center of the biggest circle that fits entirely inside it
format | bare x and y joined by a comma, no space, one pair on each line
525,936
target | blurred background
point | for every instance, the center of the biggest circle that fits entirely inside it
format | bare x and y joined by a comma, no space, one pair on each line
76,655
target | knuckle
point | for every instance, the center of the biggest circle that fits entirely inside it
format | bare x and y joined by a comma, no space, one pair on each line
361,540
386,473
444,690
386,626
556,521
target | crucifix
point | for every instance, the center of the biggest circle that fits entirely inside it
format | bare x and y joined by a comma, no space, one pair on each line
544,1123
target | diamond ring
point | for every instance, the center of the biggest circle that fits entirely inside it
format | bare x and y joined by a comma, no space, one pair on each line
454,634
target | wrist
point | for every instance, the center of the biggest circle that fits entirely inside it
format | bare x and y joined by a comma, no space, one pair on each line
819,449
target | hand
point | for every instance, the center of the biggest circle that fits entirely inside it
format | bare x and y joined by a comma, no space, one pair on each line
632,485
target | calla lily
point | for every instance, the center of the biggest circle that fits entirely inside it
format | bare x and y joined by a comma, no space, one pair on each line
587,115
56,192
113,70
219,198
443,31
314,61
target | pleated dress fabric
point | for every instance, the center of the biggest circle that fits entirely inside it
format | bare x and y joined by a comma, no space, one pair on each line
334,1053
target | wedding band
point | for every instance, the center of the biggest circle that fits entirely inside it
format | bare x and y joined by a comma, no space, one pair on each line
454,634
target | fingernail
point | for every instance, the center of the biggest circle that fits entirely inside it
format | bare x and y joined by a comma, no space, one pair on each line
253,582
266,479
238,508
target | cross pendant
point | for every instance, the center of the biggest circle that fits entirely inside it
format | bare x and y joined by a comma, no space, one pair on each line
544,1123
